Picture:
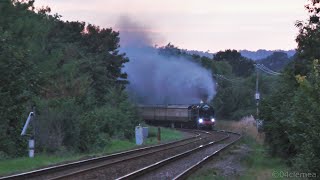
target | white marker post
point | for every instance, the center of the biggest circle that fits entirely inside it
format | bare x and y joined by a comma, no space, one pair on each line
31,148
31,142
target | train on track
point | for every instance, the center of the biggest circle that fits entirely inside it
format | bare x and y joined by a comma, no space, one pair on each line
185,116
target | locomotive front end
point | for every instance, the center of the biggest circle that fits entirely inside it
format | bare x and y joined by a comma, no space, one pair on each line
205,117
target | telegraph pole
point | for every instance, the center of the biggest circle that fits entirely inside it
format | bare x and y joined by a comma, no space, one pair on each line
257,95
259,123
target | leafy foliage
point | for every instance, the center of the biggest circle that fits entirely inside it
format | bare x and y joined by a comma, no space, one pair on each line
71,71
292,113
241,66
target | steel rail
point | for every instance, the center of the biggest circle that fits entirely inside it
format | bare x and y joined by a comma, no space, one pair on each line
57,168
198,165
159,164
87,170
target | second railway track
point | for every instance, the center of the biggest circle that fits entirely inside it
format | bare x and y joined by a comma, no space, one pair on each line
165,161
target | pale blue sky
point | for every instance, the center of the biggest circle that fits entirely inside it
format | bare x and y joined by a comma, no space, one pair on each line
196,24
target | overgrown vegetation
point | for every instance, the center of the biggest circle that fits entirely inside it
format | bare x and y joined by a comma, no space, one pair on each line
292,113
71,72
259,163
254,157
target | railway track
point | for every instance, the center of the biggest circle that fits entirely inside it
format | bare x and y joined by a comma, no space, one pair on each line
196,166
120,164
182,165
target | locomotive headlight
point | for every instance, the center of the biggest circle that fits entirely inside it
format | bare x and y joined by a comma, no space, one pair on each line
213,120
200,120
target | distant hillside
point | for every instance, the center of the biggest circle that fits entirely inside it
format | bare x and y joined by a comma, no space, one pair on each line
262,53
200,53
254,55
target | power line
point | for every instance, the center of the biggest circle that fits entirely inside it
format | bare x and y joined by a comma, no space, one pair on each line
219,76
258,66
266,69
269,70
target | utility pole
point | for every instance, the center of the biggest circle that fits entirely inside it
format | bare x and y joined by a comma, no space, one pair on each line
264,69
257,95
259,123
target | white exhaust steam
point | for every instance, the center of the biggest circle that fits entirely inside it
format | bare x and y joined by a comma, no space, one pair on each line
157,79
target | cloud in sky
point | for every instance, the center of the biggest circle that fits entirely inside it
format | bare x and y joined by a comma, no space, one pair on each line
203,25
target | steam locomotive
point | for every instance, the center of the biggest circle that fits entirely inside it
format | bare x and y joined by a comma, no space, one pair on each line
184,116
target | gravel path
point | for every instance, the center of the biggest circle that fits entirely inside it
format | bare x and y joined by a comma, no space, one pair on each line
227,165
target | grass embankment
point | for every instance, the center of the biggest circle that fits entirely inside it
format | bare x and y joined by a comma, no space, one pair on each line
260,165
42,160
257,164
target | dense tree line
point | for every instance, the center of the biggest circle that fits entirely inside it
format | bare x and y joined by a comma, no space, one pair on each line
241,66
292,113
263,53
71,72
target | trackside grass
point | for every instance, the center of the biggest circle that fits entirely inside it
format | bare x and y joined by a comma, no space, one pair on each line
260,165
257,164
166,135
25,163
22,164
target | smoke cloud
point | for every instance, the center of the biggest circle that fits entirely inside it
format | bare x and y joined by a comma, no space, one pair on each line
157,79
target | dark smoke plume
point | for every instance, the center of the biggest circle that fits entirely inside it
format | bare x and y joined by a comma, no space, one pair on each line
156,79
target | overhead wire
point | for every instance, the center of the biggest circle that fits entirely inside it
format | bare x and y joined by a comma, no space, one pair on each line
266,69
234,82
258,66
270,70
223,77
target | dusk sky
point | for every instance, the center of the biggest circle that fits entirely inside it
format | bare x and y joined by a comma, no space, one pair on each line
196,25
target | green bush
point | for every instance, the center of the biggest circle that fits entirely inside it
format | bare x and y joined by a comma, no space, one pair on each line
73,78
292,120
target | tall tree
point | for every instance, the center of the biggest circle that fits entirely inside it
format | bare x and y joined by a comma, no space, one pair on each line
308,39
241,66
70,70
18,76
